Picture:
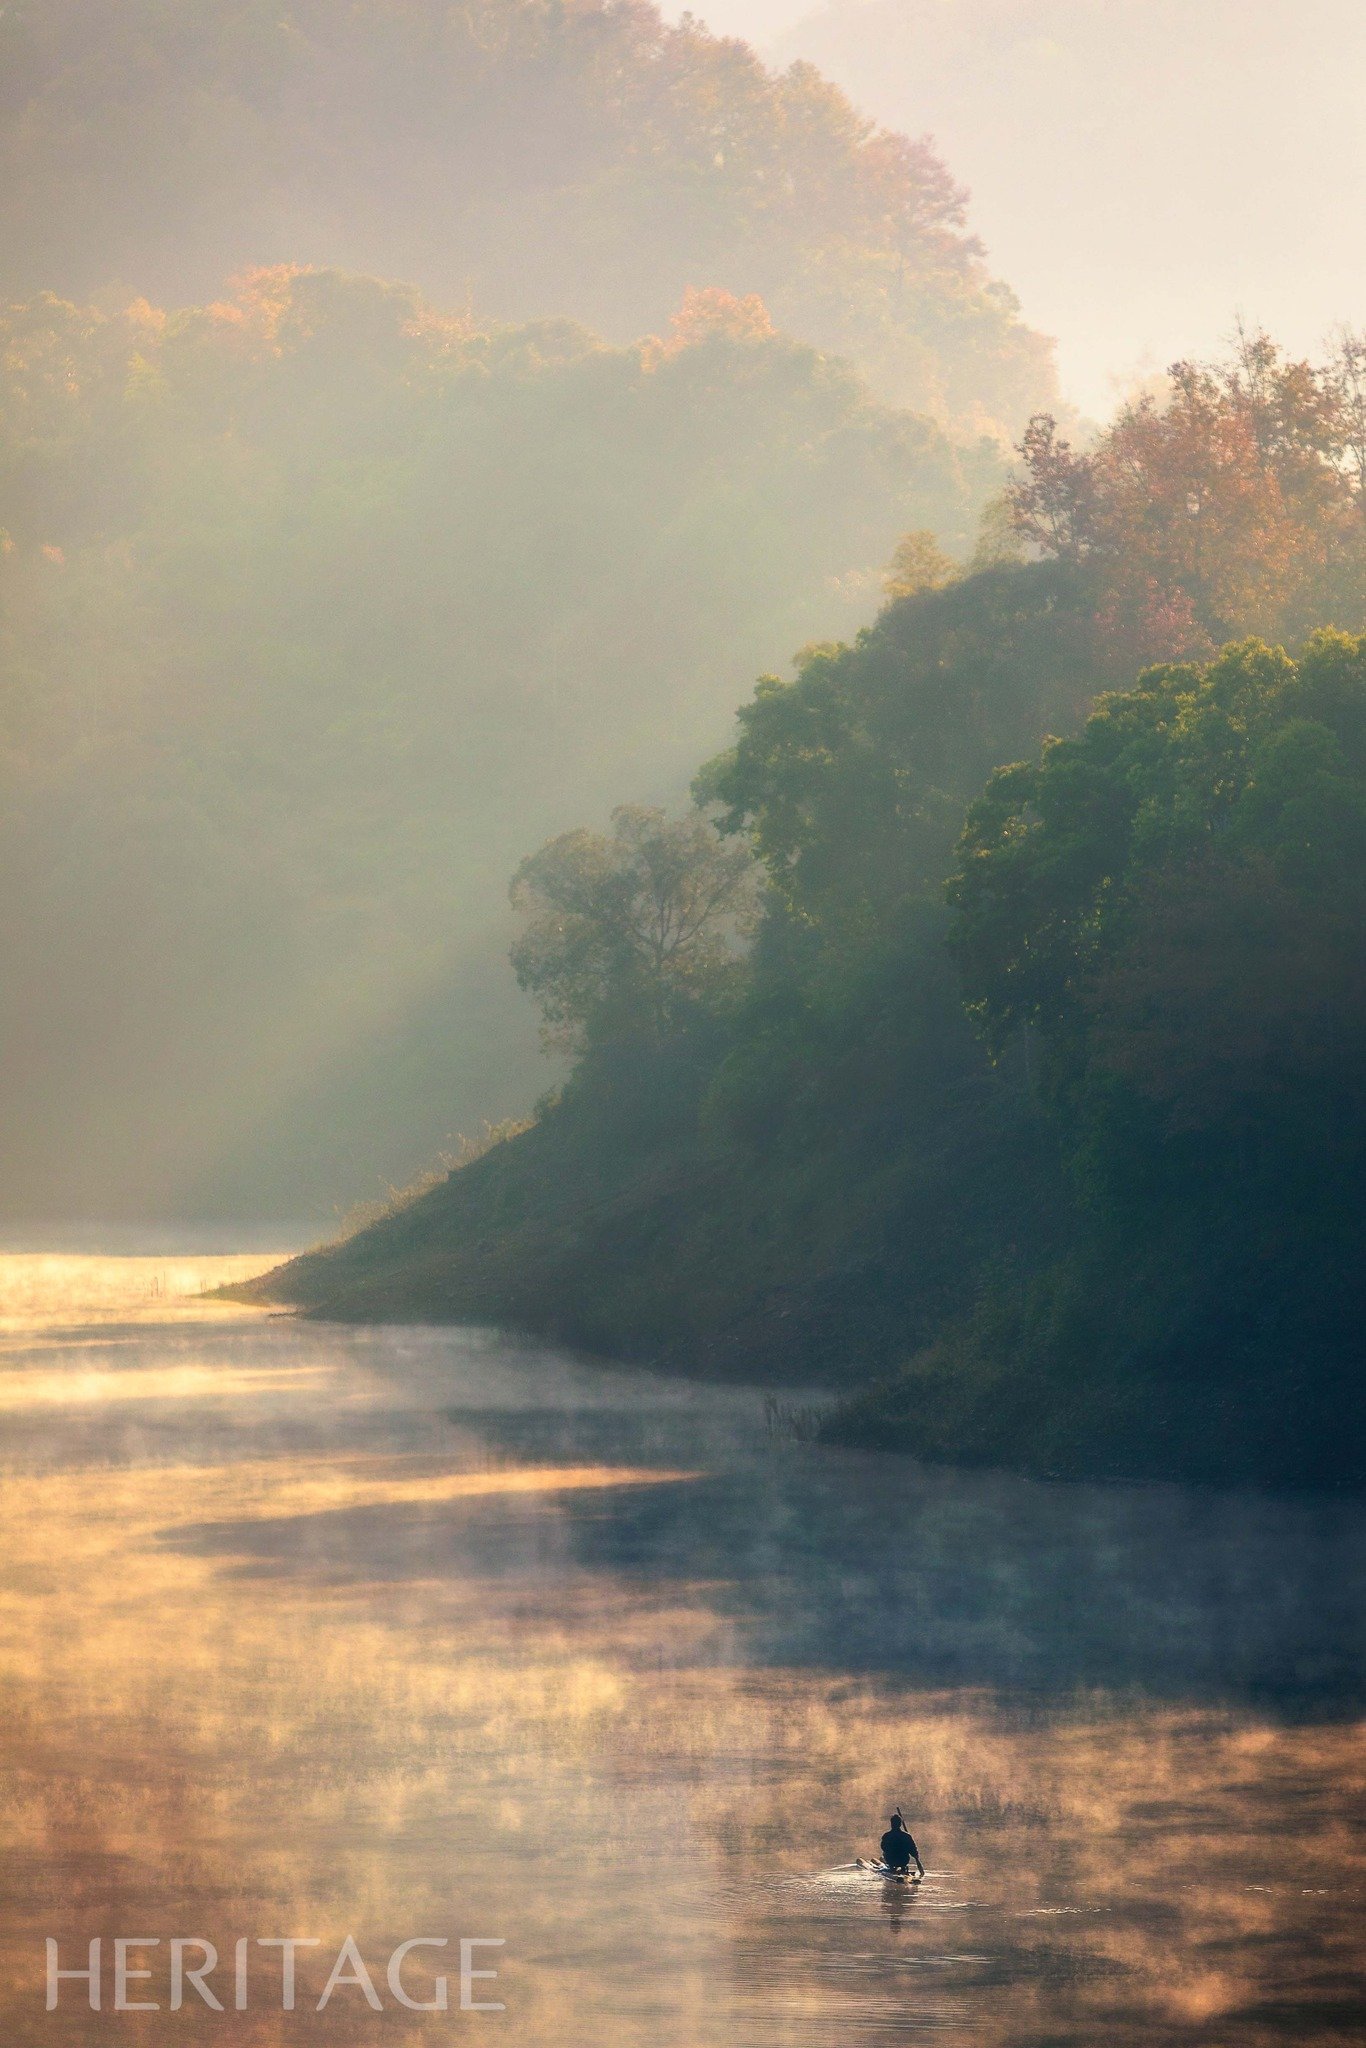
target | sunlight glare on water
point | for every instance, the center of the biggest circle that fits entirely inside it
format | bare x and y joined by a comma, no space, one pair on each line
316,1631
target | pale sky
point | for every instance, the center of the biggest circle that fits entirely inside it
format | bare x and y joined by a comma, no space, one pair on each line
1142,171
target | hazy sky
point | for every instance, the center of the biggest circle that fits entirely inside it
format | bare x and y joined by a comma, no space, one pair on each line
1141,170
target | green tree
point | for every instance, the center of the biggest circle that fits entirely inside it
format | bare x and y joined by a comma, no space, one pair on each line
626,935
1175,901
852,780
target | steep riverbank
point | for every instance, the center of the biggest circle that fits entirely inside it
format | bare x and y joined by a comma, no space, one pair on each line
1071,1184
613,1228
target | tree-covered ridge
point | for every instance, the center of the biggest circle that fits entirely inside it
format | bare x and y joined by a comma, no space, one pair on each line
1040,1106
320,605
550,156
810,1171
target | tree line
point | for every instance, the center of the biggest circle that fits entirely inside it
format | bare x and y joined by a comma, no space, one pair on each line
539,158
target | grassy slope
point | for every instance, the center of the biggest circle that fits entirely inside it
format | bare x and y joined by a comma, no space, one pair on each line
929,1285
620,1226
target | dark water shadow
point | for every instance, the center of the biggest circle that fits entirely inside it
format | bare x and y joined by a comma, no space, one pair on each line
855,1562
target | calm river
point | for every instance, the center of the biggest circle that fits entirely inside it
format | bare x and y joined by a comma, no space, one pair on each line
313,1631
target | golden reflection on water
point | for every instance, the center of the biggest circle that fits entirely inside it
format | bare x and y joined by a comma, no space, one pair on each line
41,1290
257,1682
74,1387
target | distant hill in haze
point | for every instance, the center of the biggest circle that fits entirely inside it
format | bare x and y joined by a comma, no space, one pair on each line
317,606
1142,170
534,159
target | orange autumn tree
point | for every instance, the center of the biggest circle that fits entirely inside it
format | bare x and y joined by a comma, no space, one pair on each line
709,315
1232,504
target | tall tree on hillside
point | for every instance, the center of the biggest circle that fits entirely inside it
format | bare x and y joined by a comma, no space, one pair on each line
625,935
1348,370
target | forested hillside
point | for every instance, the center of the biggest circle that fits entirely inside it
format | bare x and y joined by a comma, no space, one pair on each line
1172,907
1031,1094
532,158
319,605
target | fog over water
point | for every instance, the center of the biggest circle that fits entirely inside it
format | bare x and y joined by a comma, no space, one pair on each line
394,1632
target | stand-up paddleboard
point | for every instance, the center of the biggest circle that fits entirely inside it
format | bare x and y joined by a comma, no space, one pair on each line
885,1870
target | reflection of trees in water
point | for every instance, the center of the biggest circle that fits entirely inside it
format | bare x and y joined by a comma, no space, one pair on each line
975,1578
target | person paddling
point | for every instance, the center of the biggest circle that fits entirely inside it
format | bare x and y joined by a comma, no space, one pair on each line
898,1847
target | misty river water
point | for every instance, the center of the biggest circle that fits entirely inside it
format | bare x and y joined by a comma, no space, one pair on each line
318,1631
